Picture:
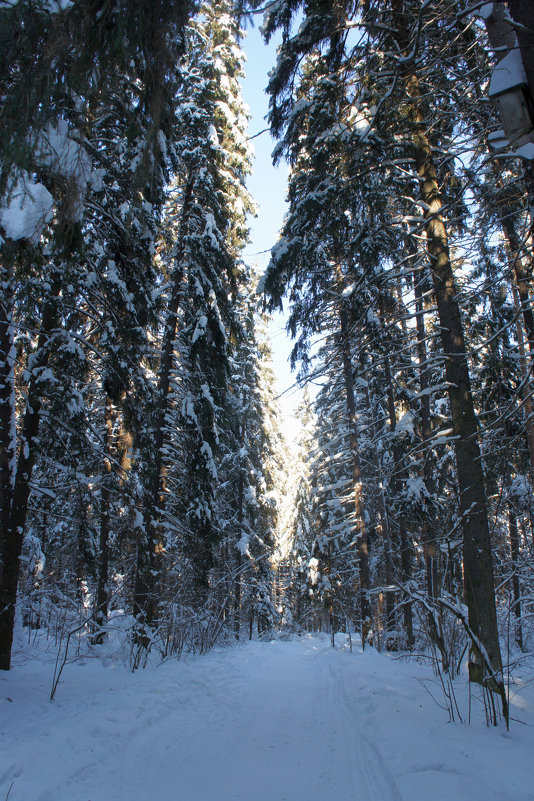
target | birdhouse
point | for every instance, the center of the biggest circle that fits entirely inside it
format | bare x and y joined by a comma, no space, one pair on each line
509,87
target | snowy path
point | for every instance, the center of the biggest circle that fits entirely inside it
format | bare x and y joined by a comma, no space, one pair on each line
281,721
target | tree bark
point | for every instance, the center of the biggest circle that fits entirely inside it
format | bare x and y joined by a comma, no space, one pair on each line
516,590
477,553
521,291
237,579
405,548
146,602
8,440
15,522
429,541
522,13
359,510
525,384
518,256
102,599
384,523
478,564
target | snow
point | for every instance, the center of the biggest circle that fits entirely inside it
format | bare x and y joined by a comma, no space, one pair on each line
313,571
242,545
279,250
212,136
200,328
67,157
498,139
30,205
526,151
211,231
406,423
359,123
138,520
507,74
53,5
28,210
287,720
485,11
188,409
414,489
206,394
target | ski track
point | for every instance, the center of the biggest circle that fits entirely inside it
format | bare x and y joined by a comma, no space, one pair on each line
277,729
280,721
379,784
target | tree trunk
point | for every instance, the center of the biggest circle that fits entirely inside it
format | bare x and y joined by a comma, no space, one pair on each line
14,524
516,590
237,580
478,564
359,511
525,385
521,13
405,548
102,599
430,544
521,291
519,253
384,523
8,437
149,549
477,554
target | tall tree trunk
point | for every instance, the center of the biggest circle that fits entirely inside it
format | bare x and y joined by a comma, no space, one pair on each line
384,523
237,579
405,548
357,485
429,540
525,385
516,590
477,553
102,599
146,600
521,13
518,256
522,294
8,434
14,524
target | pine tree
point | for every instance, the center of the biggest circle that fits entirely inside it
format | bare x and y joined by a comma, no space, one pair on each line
66,73
206,231
403,133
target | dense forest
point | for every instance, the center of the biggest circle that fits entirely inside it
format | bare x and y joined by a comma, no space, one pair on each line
145,484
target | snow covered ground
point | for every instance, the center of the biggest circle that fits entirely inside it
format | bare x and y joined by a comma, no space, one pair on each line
264,721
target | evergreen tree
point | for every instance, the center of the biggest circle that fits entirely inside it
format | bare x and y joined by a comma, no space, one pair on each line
392,37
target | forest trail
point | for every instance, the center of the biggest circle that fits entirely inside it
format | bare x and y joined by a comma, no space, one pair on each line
273,721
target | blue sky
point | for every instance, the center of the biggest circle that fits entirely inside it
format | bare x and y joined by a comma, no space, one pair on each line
267,185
